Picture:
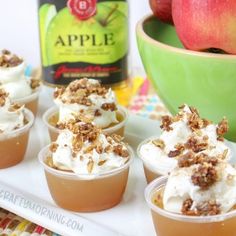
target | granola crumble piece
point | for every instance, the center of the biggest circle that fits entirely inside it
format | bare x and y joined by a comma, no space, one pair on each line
204,158
90,148
166,122
97,113
77,143
101,91
34,83
74,154
77,85
191,158
159,143
6,52
99,149
7,60
90,165
208,208
58,92
204,176
194,110
49,162
224,154
186,207
194,122
53,147
14,107
3,96
179,148
102,162
174,153
116,137
109,106
108,149
222,129
118,149
186,160
206,122
196,145
111,138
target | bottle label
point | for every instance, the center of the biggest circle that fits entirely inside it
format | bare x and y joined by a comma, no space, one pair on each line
83,38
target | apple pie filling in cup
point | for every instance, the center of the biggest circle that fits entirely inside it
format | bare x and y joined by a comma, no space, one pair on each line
22,90
15,124
181,135
88,98
86,170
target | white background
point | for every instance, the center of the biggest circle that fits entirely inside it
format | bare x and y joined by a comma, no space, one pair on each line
19,29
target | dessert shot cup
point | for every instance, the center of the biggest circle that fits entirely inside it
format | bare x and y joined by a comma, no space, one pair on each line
50,119
30,101
172,224
85,192
149,171
13,144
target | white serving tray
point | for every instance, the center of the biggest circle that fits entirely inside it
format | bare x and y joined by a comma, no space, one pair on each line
23,189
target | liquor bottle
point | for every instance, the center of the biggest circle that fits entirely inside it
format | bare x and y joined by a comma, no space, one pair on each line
85,38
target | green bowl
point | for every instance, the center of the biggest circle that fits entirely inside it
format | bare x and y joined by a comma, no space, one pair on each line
206,81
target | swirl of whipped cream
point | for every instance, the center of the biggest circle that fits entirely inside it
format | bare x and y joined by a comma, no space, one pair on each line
90,152
12,78
11,115
86,96
180,187
161,154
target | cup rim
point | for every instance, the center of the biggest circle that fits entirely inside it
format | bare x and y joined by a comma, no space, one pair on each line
29,116
147,165
159,182
52,110
30,97
140,31
71,175
124,112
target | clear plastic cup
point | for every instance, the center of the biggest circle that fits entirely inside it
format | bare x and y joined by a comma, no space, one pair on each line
13,144
149,171
30,101
85,192
171,224
50,118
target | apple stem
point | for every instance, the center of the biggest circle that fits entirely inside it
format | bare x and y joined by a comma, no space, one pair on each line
104,22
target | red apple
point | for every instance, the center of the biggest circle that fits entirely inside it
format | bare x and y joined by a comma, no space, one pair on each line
206,24
162,10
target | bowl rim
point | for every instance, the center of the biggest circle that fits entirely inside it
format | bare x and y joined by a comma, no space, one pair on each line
140,31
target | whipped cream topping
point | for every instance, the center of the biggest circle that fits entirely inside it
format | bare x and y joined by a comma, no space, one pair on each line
11,115
185,192
82,148
12,78
180,134
87,97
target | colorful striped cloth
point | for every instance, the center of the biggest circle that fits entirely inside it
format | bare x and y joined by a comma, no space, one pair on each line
14,225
